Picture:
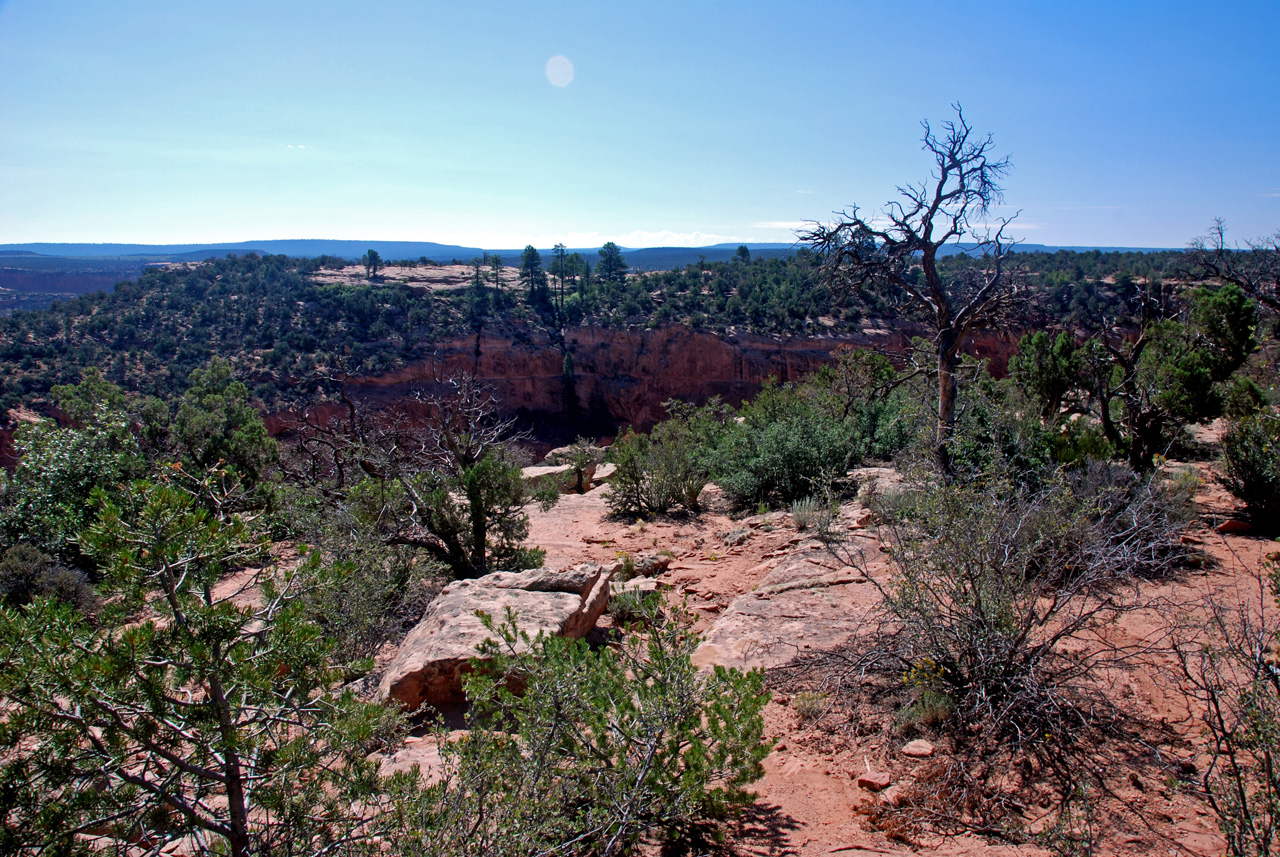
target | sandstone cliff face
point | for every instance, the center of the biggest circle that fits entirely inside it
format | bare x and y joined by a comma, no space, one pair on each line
622,377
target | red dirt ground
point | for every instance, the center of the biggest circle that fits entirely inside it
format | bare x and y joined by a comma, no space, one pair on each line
808,798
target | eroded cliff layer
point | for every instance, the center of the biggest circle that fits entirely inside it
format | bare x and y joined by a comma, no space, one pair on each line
622,377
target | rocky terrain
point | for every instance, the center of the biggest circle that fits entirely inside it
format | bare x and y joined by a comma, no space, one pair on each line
765,594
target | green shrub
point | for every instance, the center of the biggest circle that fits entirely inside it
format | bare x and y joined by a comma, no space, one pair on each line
997,593
1242,398
634,605
668,468
26,573
810,705
367,595
46,500
600,747
882,409
992,437
1251,459
788,444
804,512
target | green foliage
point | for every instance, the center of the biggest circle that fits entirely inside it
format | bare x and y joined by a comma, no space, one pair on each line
994,436
808,511
669,467
534,280
631,606
276,323
582,455
1251,455
789,443
216,426
263,313
1242,398
1171,374
884,411
210,720
611,268
442,481
367,593
599,748
26,574
1226,322
46,500
372,262
1046,369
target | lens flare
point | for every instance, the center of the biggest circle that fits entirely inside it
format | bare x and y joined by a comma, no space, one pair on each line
559,71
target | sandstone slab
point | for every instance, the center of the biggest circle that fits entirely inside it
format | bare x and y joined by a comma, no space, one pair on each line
563,476
429,667
802,605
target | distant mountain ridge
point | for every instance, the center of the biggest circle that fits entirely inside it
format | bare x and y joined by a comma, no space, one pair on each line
645,258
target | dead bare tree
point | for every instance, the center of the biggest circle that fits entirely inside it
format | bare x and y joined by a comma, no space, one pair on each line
439,476
883,252
1255,267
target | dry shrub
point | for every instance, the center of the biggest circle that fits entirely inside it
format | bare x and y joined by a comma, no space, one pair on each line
991,634
1231,666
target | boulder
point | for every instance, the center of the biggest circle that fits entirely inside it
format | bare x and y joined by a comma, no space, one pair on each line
430,664
635,584
567,454
563,475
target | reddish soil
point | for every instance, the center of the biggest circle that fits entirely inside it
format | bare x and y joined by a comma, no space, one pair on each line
808,801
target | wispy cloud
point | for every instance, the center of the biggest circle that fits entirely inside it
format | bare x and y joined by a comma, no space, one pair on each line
297,146
778,224
804,191
638,238
1060,207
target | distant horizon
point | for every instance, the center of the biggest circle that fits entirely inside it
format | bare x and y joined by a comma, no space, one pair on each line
444,249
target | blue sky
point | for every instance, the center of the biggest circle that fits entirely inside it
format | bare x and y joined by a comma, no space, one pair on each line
1128,123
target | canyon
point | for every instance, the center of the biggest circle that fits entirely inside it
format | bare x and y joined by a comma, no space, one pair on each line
622,377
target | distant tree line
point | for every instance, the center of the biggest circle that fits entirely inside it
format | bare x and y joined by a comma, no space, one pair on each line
269,316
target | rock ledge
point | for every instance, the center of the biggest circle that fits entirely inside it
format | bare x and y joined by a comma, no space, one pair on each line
430,664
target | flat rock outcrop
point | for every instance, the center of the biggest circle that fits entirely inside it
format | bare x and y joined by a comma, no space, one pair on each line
806,603
430,664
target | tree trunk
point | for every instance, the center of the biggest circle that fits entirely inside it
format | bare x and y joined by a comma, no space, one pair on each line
479,525
237,802
947,343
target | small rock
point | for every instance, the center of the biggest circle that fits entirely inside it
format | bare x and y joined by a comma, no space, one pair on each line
1191,540
780,746
651,564
874,781
918,749
1234,526
635,584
